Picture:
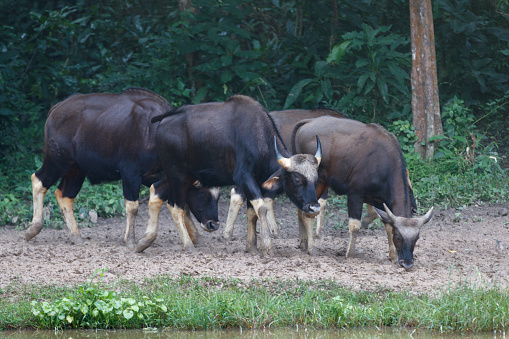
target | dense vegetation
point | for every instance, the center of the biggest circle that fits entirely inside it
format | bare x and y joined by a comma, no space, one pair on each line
189,303
349,55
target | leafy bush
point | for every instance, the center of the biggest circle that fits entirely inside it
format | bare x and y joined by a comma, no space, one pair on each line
367,72
96,306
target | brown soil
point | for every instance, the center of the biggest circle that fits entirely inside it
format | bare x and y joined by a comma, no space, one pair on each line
456,246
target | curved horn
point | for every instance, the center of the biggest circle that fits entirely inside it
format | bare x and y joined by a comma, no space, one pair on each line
389,213
318,154
427,217
286,163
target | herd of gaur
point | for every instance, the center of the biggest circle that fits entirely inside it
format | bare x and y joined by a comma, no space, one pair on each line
185,154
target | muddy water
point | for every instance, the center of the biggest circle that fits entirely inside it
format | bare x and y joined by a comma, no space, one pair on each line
358,333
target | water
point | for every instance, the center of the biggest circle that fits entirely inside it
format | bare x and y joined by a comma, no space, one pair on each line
355,333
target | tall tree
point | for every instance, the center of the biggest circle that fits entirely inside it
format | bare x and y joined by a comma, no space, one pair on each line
425,104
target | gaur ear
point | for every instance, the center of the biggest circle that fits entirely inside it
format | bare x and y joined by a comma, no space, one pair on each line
383,215
273,183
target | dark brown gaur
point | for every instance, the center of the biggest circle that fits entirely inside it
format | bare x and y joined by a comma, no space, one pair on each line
364,162
234,143
106,137
285,121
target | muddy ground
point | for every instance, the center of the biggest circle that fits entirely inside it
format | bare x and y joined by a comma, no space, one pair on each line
456,246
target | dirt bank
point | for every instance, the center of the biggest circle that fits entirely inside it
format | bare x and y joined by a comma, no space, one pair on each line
471,244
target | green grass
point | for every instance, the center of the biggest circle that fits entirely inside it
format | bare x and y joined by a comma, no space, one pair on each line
211,303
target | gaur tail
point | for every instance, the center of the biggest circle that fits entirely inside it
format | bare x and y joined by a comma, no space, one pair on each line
294,133
164,115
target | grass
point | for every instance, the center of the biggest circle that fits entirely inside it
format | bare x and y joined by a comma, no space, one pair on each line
188,303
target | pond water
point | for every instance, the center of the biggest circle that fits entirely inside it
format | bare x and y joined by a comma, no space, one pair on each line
356,333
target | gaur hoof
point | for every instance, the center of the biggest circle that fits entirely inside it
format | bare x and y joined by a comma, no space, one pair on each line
269,252
189,249
76,240
311,252
303,246
32,231
251,249
198,242
349,252
143,244
130,243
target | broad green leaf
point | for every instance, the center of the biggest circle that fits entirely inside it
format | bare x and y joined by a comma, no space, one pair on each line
362,81
200,95
382,87
326,88
320,69
338,51
361,63
128,314
295,92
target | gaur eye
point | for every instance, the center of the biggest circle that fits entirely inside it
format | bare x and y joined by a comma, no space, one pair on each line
397,237
296,181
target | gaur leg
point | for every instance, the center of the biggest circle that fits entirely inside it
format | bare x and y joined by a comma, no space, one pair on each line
177,205
158,194
320,219
266,246
392,252
178,215
65,194
190,227
38,192
271,218
354,203
247,183
303,235
237,199
252,218
307,241
131,209
131,184
368,218
42,180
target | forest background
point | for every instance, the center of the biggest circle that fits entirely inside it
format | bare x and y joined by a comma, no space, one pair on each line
350,55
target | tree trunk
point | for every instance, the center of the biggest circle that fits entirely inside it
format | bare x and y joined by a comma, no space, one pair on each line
425,104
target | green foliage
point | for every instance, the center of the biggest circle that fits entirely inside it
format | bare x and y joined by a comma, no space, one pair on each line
284,54
367,70
405,132
212,303
462,145
472,46
95,306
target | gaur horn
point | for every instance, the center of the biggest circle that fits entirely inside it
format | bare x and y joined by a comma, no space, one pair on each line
389,213
197,184
318,154
286,163
427,217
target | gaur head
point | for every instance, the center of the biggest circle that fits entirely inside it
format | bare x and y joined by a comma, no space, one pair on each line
202,203
405,232
297,176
